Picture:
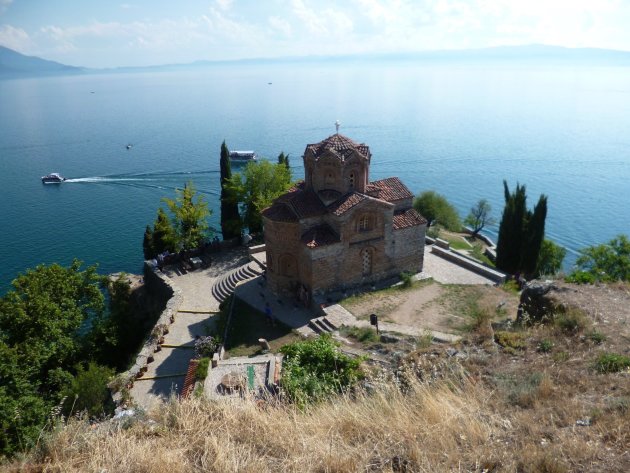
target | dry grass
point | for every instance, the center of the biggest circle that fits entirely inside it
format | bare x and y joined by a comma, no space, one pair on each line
485,409
427,429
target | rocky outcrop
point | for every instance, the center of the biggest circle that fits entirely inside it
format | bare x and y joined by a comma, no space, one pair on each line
540,300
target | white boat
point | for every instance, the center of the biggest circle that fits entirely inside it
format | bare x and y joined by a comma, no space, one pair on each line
242,156
53,178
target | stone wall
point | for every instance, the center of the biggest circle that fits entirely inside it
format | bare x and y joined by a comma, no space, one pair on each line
159,284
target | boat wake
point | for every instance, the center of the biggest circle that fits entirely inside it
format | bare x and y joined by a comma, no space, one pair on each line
99,179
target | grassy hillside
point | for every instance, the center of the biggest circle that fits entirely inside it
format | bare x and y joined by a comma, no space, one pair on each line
545,398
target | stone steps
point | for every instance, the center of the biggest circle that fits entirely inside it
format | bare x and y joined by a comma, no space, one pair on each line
321,325
225,285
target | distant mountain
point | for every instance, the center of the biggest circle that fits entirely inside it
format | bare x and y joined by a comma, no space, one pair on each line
14,64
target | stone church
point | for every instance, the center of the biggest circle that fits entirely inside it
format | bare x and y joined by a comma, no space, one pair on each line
336,229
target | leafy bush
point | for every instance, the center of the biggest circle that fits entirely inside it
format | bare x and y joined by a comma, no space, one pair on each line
611,363
407,279
315,369
545,345
607,262
581,277
88,391
363,334
202,369
206,346
511,340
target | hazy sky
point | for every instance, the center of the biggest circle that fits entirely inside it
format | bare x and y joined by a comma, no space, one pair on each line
105,33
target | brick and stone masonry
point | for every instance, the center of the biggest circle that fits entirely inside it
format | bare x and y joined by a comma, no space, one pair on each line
336,229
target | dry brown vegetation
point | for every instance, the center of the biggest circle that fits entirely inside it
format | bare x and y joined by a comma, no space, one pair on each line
509,399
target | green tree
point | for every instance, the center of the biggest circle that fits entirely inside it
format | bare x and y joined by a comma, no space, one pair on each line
550,258
479,216
44,332
314,369
260,183
189,217
231,225
534,235
510,239
164,238
88,391
437,210
607,262
284,159
147,244
521,233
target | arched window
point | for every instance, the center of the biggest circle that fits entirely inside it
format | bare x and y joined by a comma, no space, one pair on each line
366,261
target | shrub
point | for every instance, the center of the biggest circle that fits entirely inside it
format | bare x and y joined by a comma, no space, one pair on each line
315,369
206,346
88,391
596,337
363,334
202,369
571,321
407,279
511,286
545,345
511,340
580,277
611,363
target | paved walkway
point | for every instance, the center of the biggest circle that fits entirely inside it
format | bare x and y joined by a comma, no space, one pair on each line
195,317
446,272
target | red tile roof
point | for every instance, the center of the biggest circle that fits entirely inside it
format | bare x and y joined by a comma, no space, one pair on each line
280,212
320,235
294,205
345,203
407,218
340,145
390,189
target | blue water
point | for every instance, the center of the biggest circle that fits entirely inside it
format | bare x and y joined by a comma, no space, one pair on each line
459,130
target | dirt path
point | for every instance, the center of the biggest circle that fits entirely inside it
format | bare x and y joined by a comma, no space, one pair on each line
431,305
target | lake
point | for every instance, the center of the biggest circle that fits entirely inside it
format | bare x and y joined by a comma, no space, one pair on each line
457,129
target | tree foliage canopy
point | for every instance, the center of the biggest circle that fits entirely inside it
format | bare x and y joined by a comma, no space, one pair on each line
189,217
607,262
550,258
230,219
479,216
521,233
44,335
437,210
257,186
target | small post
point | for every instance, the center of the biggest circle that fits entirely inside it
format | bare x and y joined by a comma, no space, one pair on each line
374,321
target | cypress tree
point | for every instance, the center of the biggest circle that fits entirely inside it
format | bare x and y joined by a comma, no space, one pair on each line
284,159
163,233
534,234
147,243
521,232
230,218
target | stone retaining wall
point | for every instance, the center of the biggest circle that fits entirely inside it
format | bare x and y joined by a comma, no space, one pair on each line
468,263
156,283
